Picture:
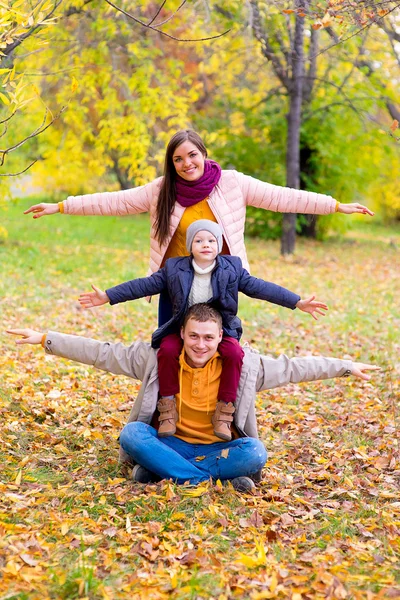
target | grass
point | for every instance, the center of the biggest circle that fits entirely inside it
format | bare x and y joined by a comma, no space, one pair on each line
326,512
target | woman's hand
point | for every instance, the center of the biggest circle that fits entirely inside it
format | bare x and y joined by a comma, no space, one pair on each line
92,299
43,209
358,369
312,306
29,336
349,209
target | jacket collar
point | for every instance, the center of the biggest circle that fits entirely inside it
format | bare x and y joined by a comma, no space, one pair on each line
220,262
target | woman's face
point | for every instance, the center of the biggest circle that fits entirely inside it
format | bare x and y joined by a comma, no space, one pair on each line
188,161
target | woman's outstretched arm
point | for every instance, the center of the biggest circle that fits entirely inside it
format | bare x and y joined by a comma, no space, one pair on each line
120,203
283,199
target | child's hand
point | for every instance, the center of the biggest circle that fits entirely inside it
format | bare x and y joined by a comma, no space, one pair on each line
91,299
312,306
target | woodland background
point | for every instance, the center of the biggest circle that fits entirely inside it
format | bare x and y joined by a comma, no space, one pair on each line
91,96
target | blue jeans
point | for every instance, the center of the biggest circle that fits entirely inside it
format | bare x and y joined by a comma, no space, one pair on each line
172,458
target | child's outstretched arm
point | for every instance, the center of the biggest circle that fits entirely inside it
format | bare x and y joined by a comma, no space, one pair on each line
312,306
265,290
130,290
92,299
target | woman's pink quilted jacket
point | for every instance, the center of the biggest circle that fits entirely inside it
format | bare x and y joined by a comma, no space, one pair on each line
227,201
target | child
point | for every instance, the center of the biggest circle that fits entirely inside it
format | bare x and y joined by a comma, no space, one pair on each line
204,276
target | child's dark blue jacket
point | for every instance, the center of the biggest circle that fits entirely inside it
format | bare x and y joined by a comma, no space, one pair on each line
227,280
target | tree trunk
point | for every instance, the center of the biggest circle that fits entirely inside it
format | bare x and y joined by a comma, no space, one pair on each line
124,182
307,176
288,239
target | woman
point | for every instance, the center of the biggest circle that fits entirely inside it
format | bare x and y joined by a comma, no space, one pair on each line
195,188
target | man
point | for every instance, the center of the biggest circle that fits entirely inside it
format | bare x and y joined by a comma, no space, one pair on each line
194,453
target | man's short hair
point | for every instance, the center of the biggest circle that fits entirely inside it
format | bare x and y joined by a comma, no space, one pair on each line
203,312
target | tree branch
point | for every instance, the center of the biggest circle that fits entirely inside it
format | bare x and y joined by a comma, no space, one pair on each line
19,172
362,64
312,68
376,21
266,47
42,127
147,26
158,12
18,41
171,16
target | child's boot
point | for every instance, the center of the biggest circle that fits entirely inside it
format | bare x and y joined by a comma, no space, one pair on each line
168,416
222,419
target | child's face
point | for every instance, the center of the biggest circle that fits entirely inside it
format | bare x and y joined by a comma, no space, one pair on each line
204,247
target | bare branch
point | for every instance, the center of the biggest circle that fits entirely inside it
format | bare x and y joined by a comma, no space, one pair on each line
266,47
339,88
327,107
7,118
276,91
393,37
362,64
158,12
285,50
4,130
143,24
171,16
312,68
20,172
42,127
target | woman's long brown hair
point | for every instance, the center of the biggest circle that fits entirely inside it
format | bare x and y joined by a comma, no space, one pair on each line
167,195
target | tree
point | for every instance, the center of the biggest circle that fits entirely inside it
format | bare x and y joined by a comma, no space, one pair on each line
23,24
131,90
293,57
20,21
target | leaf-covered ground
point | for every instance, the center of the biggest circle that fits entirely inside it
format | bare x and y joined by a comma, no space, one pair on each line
324,522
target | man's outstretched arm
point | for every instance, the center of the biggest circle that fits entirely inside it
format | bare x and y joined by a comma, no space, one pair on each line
277,372
114,358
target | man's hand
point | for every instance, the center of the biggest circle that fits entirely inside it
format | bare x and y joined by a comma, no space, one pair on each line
358,368
92,299
312,306
43,209
29,336
349,209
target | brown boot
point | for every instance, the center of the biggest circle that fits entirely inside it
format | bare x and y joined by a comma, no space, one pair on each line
222,419
168,416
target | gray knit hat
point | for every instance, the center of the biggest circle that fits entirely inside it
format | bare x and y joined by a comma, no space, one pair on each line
203,225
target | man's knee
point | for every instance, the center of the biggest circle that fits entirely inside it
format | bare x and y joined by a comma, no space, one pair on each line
132,431
256,451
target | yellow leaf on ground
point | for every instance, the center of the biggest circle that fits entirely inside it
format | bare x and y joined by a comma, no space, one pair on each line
195,492
128,525
64,528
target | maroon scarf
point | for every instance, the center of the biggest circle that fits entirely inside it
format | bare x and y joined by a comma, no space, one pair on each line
189,193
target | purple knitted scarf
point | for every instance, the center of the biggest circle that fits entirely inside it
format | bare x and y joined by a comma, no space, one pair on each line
189,193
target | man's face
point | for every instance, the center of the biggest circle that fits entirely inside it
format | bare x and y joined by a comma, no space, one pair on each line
200,341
